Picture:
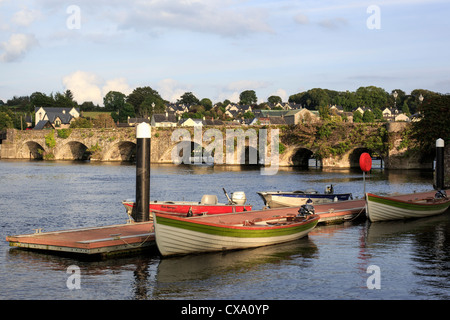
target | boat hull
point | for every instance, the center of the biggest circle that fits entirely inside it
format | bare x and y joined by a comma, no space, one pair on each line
279,199
380,208
179,236
184,207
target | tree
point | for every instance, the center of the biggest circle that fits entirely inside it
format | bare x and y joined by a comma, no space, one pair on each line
274,100
64,100
104,121
81,123
248,97
5,121
372,97
143,98
368,117
435,123
206,103
114,101
357,116
39,99
188,98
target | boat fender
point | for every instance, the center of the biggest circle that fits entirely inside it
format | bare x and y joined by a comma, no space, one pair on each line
189,214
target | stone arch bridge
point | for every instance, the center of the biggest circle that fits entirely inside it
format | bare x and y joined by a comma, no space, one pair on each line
119,144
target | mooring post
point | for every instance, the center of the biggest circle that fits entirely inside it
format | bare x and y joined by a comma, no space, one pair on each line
143,135
439,170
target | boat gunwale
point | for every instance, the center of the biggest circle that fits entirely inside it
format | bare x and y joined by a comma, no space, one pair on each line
410,203
194,220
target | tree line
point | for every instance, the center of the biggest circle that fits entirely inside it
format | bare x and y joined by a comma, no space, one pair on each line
144,101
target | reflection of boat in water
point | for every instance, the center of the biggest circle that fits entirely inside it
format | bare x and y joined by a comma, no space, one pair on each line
384,232
178,235
277,199
379,208
214,264
207,205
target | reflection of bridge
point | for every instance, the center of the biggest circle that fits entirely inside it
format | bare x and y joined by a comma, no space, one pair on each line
120,144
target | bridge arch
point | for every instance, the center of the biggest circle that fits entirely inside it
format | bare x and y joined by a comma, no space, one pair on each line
32,150
120,151
301,156
355,154
73,150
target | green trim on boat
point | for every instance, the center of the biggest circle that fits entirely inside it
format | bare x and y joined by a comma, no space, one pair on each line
231,232
407,205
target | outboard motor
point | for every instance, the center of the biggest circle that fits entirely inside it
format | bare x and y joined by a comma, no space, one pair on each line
238,197
329,189
305,210
441,194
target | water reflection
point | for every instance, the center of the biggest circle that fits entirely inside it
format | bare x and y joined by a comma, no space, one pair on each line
428,243
189,276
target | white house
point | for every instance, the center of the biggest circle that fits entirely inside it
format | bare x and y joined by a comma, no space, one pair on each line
58,117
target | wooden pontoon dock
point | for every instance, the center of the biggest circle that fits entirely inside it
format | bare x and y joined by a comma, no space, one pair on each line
106,240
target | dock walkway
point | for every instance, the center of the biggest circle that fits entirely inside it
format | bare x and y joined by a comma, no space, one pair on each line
90,241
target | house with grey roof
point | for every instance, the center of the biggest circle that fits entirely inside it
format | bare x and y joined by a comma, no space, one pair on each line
164,120
56,117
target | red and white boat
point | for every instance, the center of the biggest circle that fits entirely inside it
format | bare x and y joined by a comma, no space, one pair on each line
206,206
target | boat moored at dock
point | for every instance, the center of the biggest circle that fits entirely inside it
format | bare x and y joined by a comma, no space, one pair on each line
178,235
380,208
207,205
279,199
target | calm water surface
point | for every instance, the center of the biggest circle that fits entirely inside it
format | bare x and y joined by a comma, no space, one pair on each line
413,257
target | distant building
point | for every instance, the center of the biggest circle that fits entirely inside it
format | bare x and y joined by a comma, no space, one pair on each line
54,117
164,120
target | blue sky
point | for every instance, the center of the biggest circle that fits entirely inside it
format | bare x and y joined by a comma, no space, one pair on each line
217,49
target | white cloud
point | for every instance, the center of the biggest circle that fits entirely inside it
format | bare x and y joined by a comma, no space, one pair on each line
205,16
171,90
25,17
87,86
17,46
118,84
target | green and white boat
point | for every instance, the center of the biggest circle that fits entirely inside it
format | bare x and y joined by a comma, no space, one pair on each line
379,208
229,231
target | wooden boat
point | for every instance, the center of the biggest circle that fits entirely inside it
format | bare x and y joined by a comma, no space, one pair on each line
180,235
379,208
279,199
207,205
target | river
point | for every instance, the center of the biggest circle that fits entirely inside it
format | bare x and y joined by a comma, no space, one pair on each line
410,259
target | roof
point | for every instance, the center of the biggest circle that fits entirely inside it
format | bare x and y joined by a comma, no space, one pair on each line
43,124
159,117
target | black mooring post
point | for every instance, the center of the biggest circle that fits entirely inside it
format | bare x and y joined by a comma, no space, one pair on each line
439,164
143,134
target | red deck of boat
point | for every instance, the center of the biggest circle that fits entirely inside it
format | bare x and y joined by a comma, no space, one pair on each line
95,240
129,237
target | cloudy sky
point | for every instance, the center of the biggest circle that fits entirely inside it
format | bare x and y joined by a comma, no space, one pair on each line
217,49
